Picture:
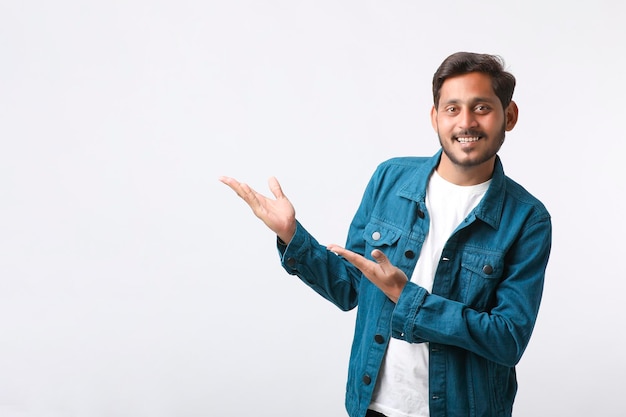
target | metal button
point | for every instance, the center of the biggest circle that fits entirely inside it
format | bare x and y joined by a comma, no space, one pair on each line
367,379
379,339
409,254
420,213
488,269
376,235
291,262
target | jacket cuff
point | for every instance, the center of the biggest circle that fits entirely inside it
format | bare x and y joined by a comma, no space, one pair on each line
405,313
292,252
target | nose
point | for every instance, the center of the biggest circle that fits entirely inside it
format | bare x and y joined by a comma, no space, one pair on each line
467,119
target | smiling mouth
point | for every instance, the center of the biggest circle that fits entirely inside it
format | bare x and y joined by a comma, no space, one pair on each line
467,139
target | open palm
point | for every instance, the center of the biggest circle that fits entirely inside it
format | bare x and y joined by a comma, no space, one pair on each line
278,214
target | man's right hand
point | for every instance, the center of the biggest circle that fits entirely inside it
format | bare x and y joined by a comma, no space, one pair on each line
279,214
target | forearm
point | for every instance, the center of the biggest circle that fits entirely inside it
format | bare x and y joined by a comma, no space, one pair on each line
327,274
493,323
423,317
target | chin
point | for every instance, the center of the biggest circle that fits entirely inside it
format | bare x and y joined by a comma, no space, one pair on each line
468,159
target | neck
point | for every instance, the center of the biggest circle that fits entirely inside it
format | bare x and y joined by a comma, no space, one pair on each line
465,175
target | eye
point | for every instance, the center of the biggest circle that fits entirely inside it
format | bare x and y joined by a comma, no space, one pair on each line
482,109
451,109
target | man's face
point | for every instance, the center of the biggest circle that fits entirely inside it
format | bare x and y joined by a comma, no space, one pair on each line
470,120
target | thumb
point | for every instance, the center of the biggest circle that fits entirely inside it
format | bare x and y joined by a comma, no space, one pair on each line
276,188
380,257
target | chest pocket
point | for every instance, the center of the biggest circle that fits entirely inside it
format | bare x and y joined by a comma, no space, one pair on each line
481,273
379,236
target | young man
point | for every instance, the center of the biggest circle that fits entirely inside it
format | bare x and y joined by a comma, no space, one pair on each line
445,258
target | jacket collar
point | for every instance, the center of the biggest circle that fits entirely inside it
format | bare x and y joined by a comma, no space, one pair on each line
488,210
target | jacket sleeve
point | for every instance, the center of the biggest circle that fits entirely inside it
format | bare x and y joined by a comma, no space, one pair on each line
329,275
500,334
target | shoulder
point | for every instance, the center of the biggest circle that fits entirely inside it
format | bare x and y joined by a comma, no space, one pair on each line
403,165
404,162
406,176
522,196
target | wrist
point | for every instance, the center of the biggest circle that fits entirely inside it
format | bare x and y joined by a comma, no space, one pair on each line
286,236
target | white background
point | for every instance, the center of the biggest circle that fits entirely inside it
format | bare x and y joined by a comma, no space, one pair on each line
133,283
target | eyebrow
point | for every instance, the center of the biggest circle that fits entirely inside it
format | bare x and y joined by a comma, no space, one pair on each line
474,100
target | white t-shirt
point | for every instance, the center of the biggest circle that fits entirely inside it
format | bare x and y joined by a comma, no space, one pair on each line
402,386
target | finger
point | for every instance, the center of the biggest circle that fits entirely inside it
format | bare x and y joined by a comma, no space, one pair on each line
379,256
276,188
362,263
227,180
235,185
243,190
383,262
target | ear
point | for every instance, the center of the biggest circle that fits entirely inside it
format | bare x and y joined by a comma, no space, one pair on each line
511,114
433,118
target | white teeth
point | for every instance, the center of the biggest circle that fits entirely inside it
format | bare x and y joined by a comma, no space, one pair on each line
467,140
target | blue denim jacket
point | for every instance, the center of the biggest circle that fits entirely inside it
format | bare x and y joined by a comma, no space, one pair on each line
485,298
